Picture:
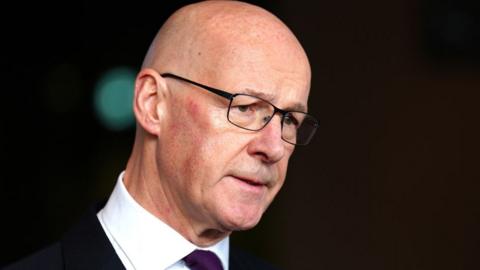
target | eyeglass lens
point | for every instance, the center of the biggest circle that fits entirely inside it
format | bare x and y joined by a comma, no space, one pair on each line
253,113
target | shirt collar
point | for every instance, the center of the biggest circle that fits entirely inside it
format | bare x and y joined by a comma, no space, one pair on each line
145,240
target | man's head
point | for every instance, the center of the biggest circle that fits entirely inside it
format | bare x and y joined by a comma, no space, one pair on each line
190,166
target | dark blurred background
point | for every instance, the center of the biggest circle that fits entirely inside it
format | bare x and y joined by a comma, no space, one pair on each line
390,182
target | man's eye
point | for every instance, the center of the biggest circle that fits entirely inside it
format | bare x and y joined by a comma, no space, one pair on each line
243,108
290,120
246,108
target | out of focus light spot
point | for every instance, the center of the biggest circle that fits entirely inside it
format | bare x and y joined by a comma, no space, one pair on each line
113,99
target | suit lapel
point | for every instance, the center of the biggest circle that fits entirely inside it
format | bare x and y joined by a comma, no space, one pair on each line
240,260
86,246
236,260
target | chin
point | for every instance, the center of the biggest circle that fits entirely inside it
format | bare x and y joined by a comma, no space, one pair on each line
247,226
242,221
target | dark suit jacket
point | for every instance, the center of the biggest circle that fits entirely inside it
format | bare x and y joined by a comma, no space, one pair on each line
86,246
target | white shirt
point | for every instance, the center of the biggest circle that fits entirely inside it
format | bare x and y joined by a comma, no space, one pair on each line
144,242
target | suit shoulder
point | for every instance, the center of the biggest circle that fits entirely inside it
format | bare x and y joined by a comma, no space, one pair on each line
242,260
47,258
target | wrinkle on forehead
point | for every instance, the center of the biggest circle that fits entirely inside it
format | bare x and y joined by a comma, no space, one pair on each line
298,107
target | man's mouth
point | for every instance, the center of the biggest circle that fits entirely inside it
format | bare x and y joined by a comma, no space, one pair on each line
251,182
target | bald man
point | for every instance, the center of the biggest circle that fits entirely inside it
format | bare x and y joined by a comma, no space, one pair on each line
220,104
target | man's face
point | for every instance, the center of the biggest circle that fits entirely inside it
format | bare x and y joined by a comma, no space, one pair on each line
217,174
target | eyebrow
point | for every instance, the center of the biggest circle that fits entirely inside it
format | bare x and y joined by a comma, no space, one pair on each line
297,106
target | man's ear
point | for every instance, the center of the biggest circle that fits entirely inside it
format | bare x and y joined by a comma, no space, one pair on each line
149,100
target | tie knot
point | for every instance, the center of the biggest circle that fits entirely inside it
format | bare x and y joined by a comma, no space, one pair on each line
203,260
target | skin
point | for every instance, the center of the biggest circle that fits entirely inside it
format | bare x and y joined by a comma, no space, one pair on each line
189,166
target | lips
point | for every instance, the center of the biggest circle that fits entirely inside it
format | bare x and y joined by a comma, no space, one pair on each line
258,179
251,184
249,181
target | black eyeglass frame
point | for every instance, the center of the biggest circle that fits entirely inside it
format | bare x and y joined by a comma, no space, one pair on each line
230,97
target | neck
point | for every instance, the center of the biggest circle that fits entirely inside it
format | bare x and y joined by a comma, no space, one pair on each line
146,185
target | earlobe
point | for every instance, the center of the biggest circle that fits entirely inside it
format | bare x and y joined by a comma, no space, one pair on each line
149,99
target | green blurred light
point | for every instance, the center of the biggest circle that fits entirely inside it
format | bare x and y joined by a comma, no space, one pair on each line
113,99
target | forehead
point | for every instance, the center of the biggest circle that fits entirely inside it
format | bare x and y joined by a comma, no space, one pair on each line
258,55
291,106
282,80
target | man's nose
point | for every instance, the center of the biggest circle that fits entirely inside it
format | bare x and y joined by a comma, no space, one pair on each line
268,144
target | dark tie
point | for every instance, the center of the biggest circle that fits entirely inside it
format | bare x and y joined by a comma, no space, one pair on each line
203,260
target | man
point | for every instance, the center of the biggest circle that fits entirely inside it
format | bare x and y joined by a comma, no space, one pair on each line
205,162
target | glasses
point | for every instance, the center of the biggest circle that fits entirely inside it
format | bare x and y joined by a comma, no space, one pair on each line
254,113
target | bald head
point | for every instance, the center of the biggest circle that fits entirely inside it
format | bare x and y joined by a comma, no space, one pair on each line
203,38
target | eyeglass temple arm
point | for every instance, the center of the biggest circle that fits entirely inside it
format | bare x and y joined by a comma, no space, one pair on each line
208,88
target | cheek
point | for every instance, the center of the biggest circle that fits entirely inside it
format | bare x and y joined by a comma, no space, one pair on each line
197,115
192,133
186,123
283,166
193,107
